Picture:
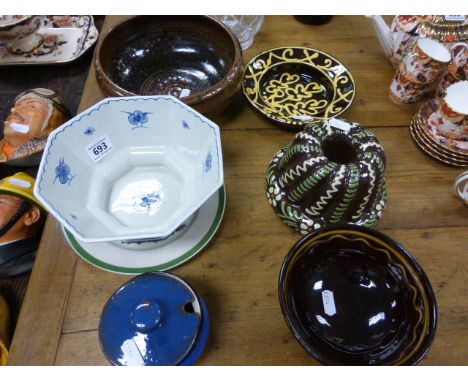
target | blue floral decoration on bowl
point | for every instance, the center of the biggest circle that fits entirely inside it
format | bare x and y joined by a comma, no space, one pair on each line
89,131
207,163
63,173
149,199
137,118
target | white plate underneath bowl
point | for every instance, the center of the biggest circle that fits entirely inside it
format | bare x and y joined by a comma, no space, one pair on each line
117,259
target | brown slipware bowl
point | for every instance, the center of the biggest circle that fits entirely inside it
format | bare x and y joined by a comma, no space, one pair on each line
353,296
194,58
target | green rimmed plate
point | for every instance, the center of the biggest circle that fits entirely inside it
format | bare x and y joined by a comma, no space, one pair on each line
294,86
118,259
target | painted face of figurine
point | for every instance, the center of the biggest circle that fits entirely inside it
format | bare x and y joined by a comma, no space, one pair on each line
8,206
23,228
27,119
35,114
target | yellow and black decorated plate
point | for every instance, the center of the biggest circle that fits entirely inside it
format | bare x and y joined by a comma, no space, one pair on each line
295,86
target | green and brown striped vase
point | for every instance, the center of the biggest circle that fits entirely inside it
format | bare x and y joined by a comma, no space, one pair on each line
331,173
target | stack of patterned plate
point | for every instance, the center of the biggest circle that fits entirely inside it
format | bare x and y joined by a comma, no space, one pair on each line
424,131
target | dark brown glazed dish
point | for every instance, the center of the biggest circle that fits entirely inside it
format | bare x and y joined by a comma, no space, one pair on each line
353,296
194,58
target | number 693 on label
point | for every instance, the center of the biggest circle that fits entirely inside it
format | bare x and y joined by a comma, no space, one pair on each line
99,148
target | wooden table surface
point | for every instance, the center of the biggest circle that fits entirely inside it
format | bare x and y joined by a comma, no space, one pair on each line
237,273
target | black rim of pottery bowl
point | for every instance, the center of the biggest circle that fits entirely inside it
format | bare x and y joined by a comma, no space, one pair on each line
214,89
330,349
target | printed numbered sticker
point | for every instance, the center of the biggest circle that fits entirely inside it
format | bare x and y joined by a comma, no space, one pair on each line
328,302
132,355
99,148
340,124
184,93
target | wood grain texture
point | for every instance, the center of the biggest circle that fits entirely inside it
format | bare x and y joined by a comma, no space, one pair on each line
237,272
40,322
237,276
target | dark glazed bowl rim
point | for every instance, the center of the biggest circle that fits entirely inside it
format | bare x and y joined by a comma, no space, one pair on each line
431,306
213,90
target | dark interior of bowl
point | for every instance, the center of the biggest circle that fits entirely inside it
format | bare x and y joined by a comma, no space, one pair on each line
173,55
351,305
303,75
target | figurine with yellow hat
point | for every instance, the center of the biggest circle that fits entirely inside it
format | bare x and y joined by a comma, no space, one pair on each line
35,114
22,219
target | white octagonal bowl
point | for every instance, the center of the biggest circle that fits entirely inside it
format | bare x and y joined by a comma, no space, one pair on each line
130,168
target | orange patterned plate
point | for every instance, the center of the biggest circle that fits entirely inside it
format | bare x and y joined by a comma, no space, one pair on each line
434,146
435,154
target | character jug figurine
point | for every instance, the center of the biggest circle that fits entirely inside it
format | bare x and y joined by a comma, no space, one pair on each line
22,218
35,114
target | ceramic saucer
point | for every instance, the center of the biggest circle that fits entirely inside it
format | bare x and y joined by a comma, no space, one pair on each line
424,117
64,39
435,154
419,131
441,157
119,259
294,86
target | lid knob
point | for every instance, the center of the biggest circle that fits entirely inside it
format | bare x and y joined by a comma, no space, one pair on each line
146,316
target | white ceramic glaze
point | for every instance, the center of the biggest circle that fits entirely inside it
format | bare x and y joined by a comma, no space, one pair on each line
12,20
161,255
12,27
452,113
457,97
434,49
58,39
130,168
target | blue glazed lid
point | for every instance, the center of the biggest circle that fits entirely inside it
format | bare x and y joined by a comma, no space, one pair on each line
154,319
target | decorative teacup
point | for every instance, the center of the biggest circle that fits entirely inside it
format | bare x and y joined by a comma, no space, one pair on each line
461,186
18,33
458,68
451,117
426,61
403,90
